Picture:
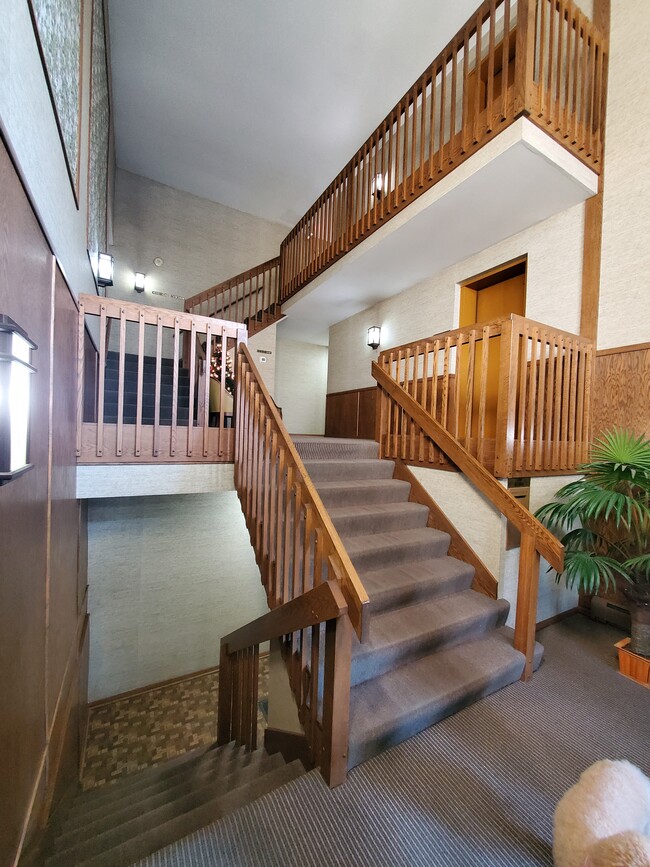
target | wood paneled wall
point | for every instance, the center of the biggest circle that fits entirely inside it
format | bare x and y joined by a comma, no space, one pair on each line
43,624
622,392
351,413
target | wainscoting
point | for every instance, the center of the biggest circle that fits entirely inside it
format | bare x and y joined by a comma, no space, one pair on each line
351,413
622,392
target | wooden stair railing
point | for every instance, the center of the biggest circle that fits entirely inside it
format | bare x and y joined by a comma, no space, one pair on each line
321,610
515,393
296,547
535,538
252,297
542,59
166,418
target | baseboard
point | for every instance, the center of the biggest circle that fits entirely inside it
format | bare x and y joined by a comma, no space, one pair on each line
557,618
291,744
161,684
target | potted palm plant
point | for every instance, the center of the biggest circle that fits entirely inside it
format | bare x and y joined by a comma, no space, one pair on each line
605,518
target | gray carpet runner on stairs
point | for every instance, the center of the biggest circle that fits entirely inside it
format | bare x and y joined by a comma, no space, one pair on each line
118,824
435,644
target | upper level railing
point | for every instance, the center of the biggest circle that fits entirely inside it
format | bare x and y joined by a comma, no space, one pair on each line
252,297
539,58
297,548
147,394
515,393
535,538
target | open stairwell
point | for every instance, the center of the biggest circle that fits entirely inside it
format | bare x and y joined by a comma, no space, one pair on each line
435,644
126,820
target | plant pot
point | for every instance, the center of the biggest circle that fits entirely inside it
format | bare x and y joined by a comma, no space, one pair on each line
640,621
632,665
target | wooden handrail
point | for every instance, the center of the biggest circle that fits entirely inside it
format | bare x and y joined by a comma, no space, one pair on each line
252,297
321,603
535,538
352,588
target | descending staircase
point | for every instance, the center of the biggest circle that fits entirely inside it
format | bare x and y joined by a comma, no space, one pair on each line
435,644
148,390
126,820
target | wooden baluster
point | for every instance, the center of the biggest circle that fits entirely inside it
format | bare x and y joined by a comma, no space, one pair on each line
444,405
560,62
121,364
551,70
567,68
454,89
532,398
489,114
255,694
544,60
469,394
423,127
550,397
573,400
541,393
434,394
443,109
405,149
414,126
398,154
505,59
297,588
527,592
573,135
566,390
101,380
589,381
156,417
312,722
464,124
288,507
506,398
482,401
580,408
174,424
237,697
280,549
560,373
477,66
267,495
459,342
374,155
432,121
225,698
139,397
245,697
336,700
190,413
593,72
308,529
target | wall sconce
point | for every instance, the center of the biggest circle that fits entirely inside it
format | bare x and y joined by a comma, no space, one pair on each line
377,186
15,373
105,269
374,335
139,281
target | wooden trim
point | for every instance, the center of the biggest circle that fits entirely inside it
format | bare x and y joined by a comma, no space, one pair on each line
350,391
325,602
557,618
291,745
484,581
636,347
545,542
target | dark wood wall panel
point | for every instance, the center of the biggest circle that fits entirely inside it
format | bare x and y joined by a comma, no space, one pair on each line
351,413
40,619
622,389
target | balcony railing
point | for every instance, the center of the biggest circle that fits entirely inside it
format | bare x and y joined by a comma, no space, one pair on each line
537,58
515,393
147,392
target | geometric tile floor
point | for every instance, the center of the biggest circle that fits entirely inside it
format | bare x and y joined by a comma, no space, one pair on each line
136,732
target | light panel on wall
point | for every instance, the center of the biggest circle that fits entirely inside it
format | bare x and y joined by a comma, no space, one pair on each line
15,381
105,269
139,281
374,336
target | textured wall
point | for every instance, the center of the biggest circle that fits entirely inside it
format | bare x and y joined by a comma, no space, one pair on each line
624,314
201,243
554,249
300,385
168,576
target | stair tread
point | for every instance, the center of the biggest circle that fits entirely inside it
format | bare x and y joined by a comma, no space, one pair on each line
390,708
379,541
376,509
434,576
160,835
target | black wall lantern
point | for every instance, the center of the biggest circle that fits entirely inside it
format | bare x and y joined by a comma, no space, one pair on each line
15,380
374,336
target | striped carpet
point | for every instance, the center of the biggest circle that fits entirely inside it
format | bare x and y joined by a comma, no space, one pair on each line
477,789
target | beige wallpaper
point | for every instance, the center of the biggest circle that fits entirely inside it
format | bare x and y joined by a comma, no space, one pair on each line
624,315
168,577
300,385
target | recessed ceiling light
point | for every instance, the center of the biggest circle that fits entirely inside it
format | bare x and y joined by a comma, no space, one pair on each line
158,261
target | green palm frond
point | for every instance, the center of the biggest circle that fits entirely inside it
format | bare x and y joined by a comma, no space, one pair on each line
589,572
640,565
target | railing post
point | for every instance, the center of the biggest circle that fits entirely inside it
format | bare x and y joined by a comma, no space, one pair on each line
527,590
224,720
336,700
525,55
506,401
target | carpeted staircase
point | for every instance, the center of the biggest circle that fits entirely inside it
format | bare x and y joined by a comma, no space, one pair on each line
435,644
148,390
126,820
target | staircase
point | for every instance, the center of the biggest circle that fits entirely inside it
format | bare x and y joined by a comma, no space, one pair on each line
149,390
435,644
127,820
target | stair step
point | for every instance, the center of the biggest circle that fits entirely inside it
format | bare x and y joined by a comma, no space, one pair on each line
148,819
377,550
378,518
362,492
150,782
391,708
335,448
363,468
414,582
152,839
188,792
410,632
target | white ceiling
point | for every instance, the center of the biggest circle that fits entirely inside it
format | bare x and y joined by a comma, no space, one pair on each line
258,104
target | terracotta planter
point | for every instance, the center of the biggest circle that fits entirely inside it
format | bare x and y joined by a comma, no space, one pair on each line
632,665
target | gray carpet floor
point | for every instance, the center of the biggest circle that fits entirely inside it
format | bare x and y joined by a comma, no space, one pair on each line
477,789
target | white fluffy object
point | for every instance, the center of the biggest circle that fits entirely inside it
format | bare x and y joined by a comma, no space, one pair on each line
629,849
608,799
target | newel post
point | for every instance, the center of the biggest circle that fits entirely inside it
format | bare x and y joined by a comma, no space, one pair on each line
525,55
506,400
336,700
527,591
